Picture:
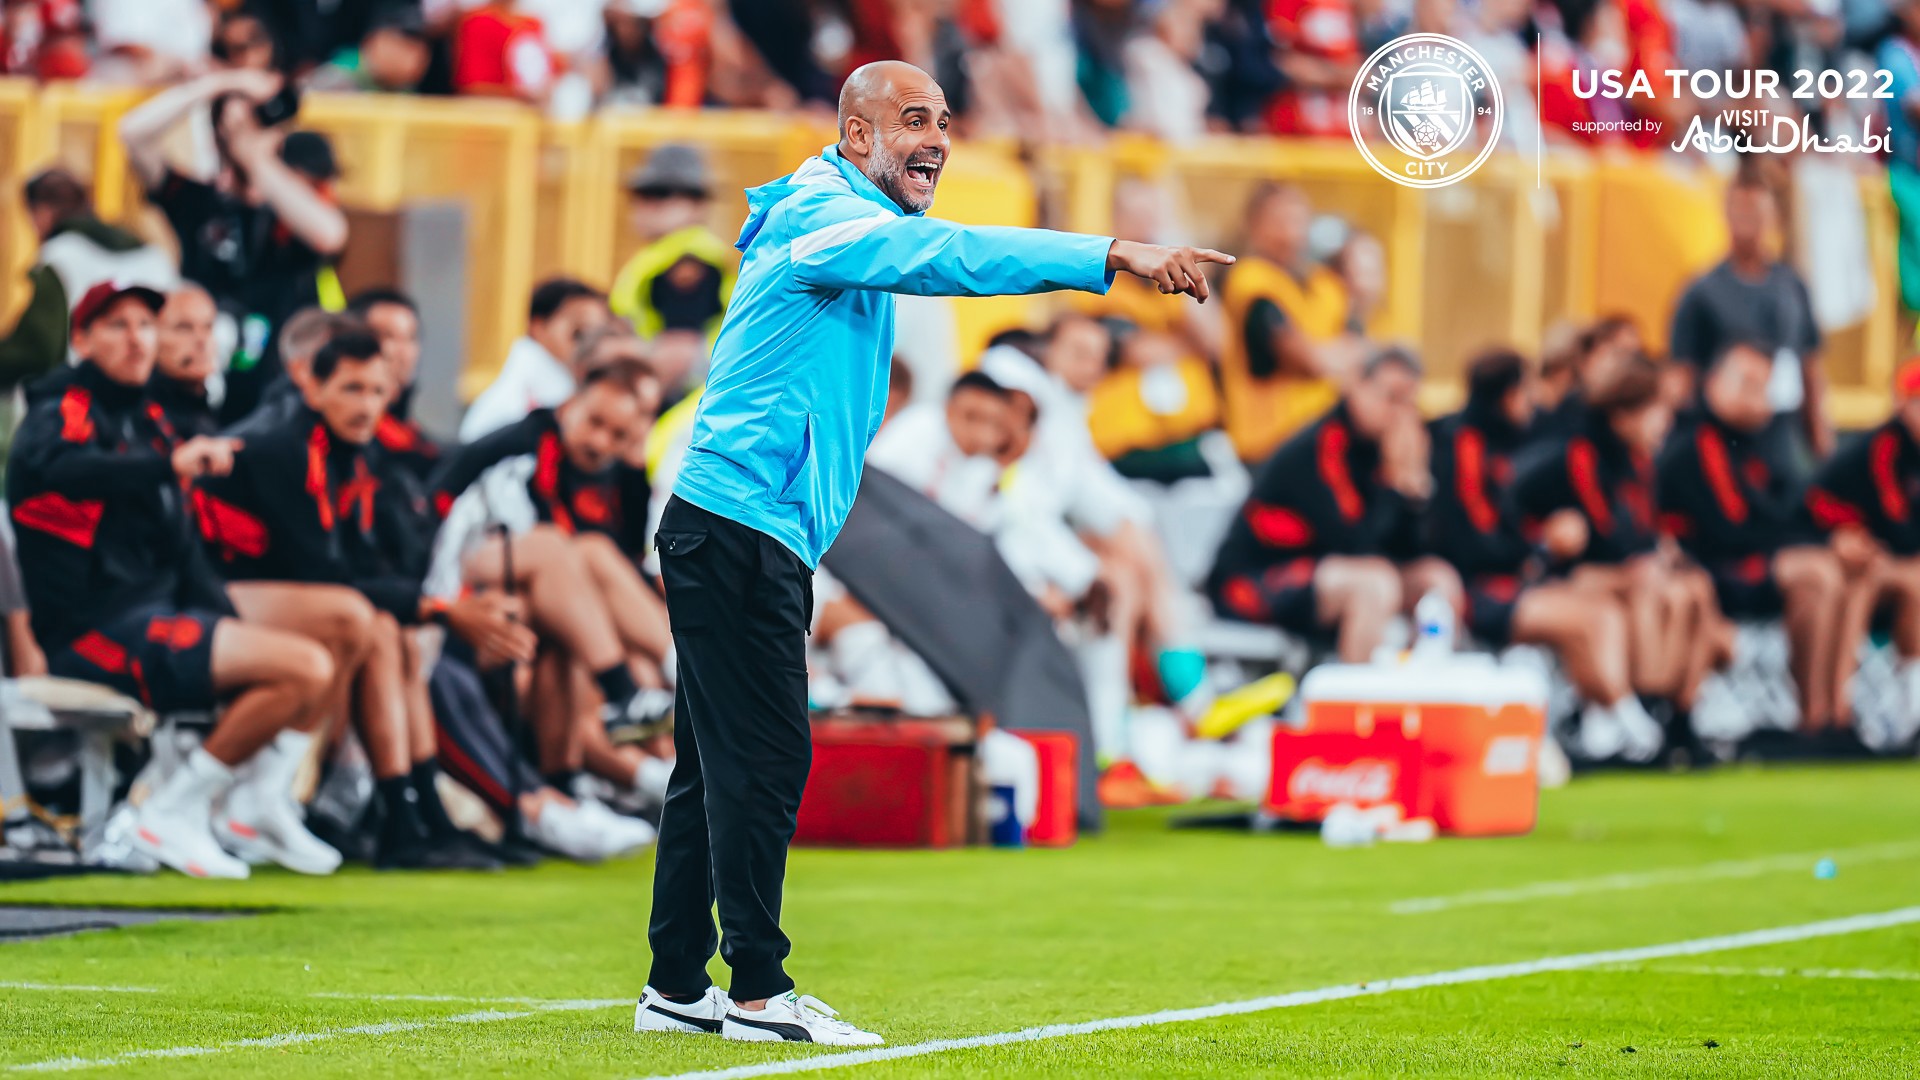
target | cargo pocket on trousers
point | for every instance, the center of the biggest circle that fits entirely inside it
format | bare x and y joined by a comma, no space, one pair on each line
689,596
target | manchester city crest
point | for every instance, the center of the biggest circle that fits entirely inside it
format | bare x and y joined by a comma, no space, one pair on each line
1425,110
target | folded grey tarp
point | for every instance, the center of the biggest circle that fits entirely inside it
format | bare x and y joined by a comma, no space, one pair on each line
942,588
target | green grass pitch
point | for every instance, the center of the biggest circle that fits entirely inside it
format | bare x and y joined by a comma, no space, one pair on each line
532,973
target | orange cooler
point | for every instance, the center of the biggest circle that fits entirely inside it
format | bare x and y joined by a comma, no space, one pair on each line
1478,726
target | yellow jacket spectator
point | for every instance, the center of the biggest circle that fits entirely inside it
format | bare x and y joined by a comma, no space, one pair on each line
1277,371
682,276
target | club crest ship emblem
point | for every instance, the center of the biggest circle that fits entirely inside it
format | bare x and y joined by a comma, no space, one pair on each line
1425,110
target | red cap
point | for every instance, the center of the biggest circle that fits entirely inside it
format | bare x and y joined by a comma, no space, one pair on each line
102,296
1906,381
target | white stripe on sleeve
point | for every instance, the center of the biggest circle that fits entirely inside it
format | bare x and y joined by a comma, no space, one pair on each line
845,232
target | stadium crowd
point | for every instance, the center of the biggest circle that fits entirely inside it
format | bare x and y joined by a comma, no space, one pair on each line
223,509
1045,70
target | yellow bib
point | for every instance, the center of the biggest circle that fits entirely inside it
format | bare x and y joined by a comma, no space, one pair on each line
1262,412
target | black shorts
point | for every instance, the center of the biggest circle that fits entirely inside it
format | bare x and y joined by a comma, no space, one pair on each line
1280,596
160,656
1746,588
1491,599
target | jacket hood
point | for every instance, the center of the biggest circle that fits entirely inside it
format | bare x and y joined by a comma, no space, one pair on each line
828,168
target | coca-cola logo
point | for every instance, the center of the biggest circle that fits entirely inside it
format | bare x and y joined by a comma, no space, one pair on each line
1363,781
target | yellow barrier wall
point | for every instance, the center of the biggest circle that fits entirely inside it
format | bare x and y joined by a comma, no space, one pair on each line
1492,260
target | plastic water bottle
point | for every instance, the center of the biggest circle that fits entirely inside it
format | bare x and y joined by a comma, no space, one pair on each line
1433,619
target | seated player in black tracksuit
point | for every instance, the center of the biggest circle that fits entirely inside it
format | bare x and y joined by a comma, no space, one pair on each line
1742,518
1590,360
121,593
551,481
394,319
1470,524
1311,549
1867,499
1601,484
296,516
185,362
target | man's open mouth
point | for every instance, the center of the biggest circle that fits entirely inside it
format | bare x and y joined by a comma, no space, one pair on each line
923,174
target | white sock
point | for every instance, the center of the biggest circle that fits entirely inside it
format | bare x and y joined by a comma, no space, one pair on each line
193,787
1103,667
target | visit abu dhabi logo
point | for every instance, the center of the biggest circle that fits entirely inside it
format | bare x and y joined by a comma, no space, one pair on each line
1425,110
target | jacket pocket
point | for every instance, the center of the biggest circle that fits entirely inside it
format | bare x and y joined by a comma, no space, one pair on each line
684,577
800,466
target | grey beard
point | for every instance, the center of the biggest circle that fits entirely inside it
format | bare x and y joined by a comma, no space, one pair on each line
889,175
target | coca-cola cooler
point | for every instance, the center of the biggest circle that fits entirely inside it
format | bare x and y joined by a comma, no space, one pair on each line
1456,740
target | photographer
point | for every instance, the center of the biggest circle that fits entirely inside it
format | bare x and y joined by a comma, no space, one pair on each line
260,231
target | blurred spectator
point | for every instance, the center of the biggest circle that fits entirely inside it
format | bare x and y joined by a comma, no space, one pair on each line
659,52
538,373
392,58
500,52
42,39
1168,94
1319,48
682,276
243,40
310,32
1900,56
151,41
788,36
1285,312
77,252
1239,64
262,231
1102,29
1755,298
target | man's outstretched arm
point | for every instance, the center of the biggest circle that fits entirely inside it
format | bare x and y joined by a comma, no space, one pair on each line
930,257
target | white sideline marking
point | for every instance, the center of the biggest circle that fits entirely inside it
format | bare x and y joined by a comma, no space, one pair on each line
295,1038
545,1003
456,999
1783,973
1486,973
1647,879
81,989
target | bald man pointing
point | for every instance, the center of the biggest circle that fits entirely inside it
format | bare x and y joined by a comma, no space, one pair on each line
797,391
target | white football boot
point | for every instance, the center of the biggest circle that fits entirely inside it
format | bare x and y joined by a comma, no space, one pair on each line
703,1017
793,1018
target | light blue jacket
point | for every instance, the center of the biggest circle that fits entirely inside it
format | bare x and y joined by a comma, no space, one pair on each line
798,384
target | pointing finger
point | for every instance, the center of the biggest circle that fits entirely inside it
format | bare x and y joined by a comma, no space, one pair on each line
1212,256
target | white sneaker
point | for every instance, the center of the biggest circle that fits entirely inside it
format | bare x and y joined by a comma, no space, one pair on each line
171,826
791,1018
1601,736
1644,736
261,822
703,1017
262,829
619,834
562,828
184,843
